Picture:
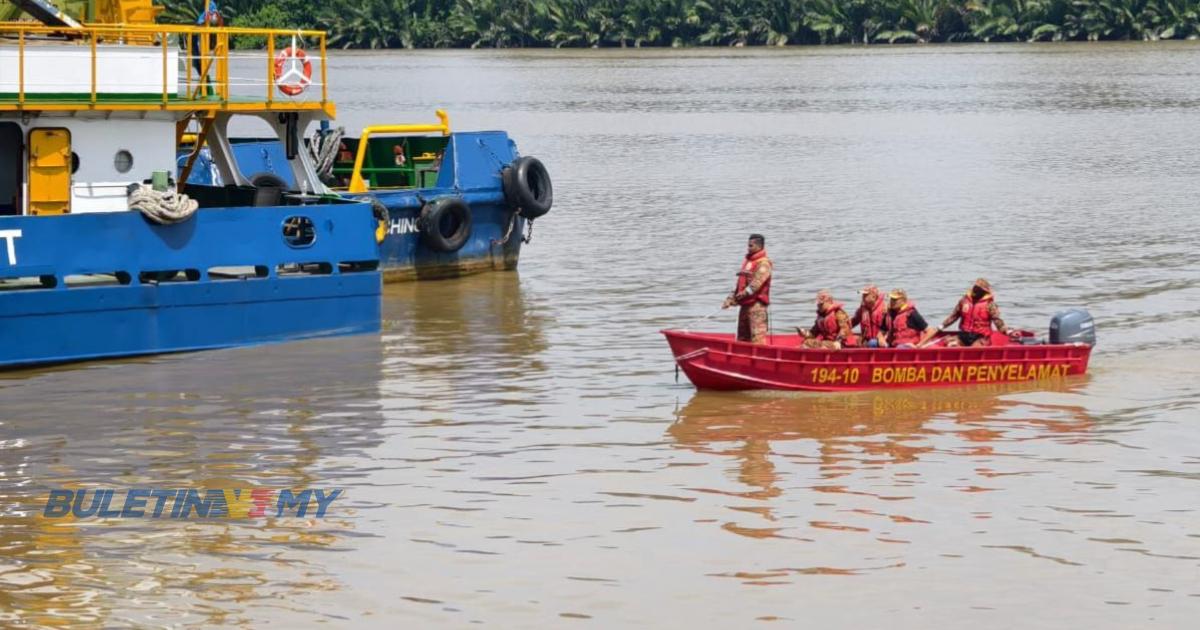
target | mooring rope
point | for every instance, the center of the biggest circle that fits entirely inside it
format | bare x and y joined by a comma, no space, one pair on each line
323,147
691,355
162,207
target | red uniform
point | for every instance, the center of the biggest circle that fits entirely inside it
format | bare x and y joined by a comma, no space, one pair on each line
899,331
828,327
755,277
869,322
976,315
749,269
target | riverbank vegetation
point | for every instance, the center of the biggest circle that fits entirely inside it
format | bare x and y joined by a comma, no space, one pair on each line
624,23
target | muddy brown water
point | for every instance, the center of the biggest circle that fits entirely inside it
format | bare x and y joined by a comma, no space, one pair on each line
514,448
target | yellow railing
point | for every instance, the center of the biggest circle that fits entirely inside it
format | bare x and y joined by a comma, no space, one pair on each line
357,184
204,80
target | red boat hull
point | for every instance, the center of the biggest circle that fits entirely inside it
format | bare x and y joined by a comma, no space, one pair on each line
719,361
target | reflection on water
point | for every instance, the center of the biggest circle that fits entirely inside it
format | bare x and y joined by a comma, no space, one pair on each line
861,432
302,415
480,315
514,451
456,349
215,420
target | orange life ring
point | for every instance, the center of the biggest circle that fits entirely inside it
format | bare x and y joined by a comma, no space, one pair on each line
293,70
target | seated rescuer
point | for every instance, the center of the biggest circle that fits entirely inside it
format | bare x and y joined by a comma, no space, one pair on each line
752,292
977,313
869,316
903,325
831,331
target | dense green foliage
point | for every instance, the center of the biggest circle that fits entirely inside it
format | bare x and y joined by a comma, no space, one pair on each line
595,23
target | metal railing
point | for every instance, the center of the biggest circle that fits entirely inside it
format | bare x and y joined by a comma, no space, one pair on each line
357,183
206,75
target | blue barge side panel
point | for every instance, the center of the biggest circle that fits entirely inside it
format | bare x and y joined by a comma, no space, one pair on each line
87,286
475,160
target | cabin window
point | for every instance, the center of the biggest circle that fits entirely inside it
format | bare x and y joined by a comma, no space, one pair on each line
123,161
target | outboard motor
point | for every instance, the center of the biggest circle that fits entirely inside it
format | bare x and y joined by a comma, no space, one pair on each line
1073,326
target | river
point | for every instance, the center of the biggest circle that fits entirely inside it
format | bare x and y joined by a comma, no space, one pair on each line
515,450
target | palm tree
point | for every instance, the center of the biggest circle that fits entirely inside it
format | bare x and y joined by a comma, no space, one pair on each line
364,24
837,21
1178,19
503,23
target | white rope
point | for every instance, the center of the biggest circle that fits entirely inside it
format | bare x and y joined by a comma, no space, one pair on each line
691,355
162,207
688,326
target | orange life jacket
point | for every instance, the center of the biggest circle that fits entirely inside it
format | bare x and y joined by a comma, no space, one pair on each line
828,329
898,329
746,274
975,316
869,322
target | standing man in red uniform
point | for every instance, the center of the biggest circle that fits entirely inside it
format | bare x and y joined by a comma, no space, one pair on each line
976,314
753,292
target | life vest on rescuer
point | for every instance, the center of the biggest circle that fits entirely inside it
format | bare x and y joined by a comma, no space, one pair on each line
898,329
869,322
975,316
827,326
746,274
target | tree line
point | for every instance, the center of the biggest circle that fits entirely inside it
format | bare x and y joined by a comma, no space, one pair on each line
633,23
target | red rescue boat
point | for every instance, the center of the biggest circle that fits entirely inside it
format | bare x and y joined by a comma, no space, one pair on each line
719,361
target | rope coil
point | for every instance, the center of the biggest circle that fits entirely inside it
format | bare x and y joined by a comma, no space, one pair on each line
162,207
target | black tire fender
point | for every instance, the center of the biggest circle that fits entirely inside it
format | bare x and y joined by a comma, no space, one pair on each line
435,214
527,187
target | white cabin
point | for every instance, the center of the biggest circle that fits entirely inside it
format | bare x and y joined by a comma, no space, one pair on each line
86,111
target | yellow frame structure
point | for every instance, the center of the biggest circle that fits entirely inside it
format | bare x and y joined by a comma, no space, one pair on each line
196,98
357,184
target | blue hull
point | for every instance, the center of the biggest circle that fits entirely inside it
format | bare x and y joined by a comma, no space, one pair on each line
205,306
99,322
471,169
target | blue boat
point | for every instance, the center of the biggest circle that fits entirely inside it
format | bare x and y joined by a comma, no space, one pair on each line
112,284
102,255
454,203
